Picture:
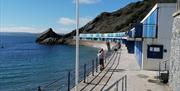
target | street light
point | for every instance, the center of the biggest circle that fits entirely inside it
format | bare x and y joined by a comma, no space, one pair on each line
178,4
77,46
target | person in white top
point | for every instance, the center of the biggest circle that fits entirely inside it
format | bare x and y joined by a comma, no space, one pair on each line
101,59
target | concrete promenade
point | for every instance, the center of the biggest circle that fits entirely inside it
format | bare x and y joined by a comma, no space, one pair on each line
119,64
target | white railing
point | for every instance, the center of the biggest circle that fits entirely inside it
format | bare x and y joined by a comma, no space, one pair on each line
117,85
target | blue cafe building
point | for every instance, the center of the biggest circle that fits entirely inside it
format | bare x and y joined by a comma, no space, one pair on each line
111,37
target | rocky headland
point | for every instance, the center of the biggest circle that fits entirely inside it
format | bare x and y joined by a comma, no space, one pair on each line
49,37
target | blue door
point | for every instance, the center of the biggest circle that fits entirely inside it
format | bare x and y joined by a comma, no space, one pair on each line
138,52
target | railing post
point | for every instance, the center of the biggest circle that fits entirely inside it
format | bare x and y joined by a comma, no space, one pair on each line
105,58
159,69
39,88
177,5
84,73
96,64
123,84
92,67
117,84
69,74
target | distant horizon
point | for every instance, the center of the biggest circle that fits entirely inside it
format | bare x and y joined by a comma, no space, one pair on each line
36,16
31,32
26,32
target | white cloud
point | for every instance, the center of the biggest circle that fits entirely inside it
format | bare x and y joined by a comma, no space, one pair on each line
67,25
21,29
66,21
65,30
84,20
69,22
87,1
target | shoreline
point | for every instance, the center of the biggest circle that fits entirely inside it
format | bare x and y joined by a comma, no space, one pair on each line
90,43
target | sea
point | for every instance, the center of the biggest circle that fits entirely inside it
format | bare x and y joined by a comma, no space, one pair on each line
26,65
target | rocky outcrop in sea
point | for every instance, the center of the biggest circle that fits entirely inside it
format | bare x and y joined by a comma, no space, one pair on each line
49,37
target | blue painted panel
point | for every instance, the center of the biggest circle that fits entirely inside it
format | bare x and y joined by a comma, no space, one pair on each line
130,34
138,30
130,46
149,25
138,52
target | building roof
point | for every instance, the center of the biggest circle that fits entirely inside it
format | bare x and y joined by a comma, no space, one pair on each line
158,5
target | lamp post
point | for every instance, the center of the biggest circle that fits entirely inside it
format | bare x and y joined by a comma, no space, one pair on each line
77,46
178,4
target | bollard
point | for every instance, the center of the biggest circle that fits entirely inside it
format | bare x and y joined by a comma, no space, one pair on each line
39,88
92,67
84,73
69,74
125,82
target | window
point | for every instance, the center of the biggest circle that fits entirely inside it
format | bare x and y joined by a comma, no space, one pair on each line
155,51
150,25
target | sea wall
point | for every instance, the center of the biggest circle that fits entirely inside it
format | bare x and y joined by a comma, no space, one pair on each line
96,44
174,77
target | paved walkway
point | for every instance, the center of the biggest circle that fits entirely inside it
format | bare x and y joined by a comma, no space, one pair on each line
119,64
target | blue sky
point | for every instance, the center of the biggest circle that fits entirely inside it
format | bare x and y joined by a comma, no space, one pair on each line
38,15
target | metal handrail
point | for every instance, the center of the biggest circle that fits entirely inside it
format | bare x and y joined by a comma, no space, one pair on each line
86,70
165,65
116,84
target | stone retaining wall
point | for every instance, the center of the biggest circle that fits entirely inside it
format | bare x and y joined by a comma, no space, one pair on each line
174,80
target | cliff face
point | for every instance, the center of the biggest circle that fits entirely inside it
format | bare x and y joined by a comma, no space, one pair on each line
118,21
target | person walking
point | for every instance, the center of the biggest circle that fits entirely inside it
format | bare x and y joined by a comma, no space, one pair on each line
119,45
39,88
101,59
